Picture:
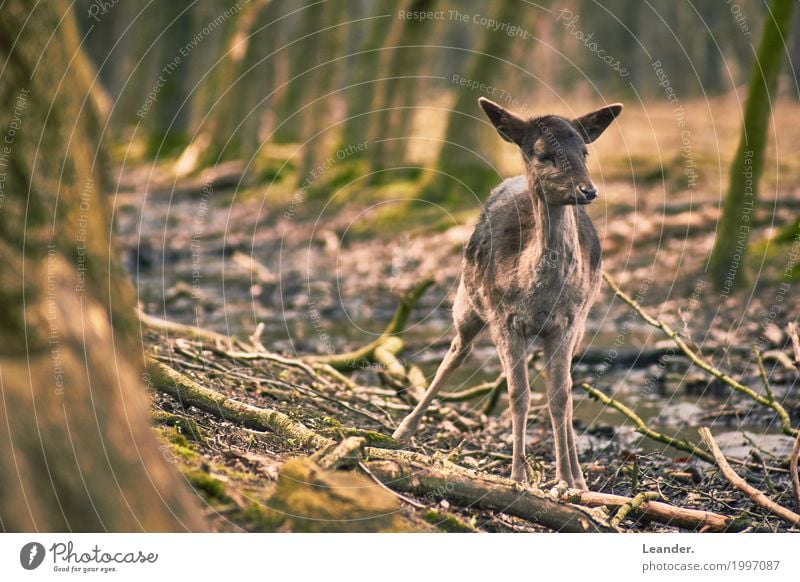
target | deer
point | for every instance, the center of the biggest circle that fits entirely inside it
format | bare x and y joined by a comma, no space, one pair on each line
531,269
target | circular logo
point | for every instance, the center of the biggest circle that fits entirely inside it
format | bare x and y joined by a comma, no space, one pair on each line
31,555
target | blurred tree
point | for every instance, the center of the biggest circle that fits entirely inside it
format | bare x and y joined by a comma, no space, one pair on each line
460,157
400,62
219,136
78,453
316,116
726,263
304,55
383,26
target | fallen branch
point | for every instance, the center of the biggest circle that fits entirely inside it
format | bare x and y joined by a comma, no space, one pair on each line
756,496
354,358
470,489
692,519
791,330
642,428
632,505
700,362
188,392
158,324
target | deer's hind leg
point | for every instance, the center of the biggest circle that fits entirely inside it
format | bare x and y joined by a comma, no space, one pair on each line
468,324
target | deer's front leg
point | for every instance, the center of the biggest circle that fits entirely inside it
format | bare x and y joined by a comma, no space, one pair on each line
558,359
511,348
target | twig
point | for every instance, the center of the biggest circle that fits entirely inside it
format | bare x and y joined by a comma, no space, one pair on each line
793,470
642,428
756,496
352,359
159,324
762,372
791,330
700,362
187,391
633,505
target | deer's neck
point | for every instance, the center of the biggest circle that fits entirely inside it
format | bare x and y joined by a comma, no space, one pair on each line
555,244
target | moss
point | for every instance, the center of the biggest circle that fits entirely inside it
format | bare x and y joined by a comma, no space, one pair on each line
373,438
210,487
183,425
315,500
448,522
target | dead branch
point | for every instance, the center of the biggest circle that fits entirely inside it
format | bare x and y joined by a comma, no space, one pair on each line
692,519
633,505
642,428
470,489
756,496
352,359
791,330
188,392
700,362
158,324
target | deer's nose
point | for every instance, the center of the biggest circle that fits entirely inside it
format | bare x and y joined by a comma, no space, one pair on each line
590,192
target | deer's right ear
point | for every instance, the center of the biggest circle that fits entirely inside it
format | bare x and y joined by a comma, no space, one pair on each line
510,127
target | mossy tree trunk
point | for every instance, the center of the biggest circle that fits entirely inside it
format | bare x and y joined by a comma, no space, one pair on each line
726,263
78,453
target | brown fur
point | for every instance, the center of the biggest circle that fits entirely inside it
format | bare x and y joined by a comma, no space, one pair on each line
532,269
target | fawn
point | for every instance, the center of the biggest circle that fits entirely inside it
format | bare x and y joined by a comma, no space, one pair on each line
532,269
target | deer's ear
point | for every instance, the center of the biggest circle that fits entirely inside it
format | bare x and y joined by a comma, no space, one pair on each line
511,127
591,125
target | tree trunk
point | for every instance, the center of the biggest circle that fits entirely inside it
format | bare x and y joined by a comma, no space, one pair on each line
365,71
78,453
726,263
460,155
400,66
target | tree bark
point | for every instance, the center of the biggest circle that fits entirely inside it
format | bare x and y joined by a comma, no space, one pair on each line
78,453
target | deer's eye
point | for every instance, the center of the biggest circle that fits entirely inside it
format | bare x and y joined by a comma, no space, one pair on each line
545,158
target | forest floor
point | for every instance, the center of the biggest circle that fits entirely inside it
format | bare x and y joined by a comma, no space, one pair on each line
324,280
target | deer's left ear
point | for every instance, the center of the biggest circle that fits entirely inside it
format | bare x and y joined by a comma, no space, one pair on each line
591,125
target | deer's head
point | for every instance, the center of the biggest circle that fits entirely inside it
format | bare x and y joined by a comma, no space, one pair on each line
554,149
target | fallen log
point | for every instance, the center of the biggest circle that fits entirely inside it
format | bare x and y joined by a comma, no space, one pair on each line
469,489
